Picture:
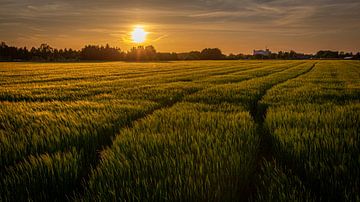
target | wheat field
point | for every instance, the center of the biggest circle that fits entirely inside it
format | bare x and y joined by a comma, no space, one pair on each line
181,131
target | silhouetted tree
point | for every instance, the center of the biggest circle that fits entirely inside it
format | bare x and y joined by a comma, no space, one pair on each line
327,54
193,55
107,53
212,54
141,53
235,57
167,56
92,52
356,56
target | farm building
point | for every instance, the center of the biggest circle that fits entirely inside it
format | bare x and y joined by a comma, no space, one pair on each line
265,52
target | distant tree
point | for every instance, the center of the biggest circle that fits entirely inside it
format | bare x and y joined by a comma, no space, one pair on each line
167,56
141,53
192,55
280,55
327,54
10,53
92,52
357,56
107,53
211,54
45,52
150,53
292,54
135,53
232,57
342,54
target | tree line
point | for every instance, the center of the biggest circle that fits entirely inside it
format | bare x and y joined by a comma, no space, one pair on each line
145,53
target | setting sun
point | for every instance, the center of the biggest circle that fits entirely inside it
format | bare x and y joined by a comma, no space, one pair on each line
138,35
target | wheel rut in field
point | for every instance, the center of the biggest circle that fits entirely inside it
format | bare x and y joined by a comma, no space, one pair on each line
258,112
83,181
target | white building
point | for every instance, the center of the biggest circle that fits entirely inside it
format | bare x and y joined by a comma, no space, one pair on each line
266,52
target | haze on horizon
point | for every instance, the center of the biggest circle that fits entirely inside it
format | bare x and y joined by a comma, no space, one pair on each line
232,25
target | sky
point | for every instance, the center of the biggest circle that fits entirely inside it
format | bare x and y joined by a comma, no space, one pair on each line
234,26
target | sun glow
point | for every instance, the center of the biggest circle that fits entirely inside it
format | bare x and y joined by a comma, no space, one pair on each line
138,35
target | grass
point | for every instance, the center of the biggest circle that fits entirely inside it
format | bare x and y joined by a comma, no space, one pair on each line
202,130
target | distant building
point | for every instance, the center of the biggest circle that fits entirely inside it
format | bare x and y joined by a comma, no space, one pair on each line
266,52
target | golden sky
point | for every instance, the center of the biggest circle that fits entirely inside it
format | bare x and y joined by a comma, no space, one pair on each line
232,25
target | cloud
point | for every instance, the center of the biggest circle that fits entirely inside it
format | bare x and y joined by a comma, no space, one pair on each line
109,19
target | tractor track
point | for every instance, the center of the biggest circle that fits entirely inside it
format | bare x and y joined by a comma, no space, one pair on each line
258,112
